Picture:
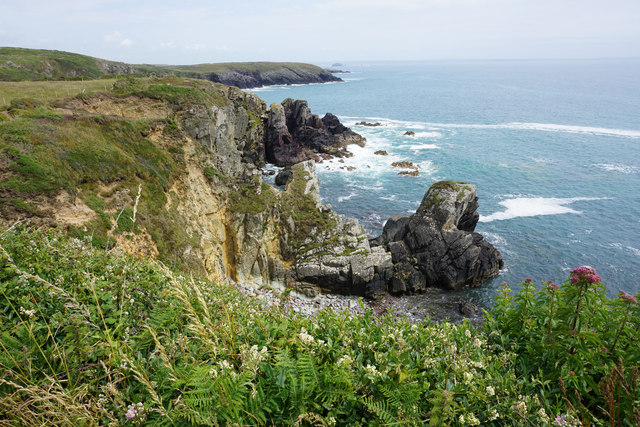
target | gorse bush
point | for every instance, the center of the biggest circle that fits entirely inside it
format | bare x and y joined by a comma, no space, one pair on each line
92,337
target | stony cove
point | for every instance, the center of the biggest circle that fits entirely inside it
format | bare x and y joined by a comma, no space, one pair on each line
172,168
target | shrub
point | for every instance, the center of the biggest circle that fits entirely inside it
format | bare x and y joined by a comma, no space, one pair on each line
583,346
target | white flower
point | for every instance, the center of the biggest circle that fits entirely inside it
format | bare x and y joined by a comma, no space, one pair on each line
468,376
461,420
305,337
543,415
467,333
345,361
490,391
472,420
477,343
371,372
521,407
493,415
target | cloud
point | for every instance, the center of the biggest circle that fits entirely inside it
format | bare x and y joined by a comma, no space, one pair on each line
117,38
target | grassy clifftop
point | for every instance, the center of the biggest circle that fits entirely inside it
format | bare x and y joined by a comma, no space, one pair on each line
19,64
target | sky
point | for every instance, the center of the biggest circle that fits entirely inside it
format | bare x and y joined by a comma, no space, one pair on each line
324,31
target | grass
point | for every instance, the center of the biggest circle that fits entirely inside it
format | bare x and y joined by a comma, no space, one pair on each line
44,91
18,64
94,338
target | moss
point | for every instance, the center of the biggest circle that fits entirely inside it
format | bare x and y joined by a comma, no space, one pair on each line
252,198
446,185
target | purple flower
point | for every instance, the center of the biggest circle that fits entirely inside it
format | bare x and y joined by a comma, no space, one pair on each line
131,413
552,286
585,273
630,298
560,420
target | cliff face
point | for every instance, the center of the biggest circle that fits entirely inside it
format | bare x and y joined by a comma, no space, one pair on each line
170,168
285,75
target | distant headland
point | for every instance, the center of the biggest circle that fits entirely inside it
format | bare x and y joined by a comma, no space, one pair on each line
18,64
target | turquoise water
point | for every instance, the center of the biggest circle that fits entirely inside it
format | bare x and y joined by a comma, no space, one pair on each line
553,146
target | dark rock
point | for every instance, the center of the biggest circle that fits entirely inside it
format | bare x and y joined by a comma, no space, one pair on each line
438,242
410,133
294,134
468,309
405,165
381,153
376,124
286,75
409,173
284,177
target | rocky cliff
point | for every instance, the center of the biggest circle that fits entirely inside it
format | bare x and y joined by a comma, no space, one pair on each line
171,168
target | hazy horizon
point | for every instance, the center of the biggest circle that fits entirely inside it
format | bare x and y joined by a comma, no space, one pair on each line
325,31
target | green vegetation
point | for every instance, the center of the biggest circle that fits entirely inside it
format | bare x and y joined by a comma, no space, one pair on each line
19,64
45,152
48,90
36,64
92,338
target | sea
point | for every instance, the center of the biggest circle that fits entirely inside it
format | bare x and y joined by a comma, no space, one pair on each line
552,145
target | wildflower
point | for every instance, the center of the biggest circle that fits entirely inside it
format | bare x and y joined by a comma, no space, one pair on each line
559,420
521,407
494,415
371,372
461,420
472,420
552,286
331,421
131,413
585,273
542,414
345,361
305,337
528,280
573,374
490,391
477,343
628,298
467,333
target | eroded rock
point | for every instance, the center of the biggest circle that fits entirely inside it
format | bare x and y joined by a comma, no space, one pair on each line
436,246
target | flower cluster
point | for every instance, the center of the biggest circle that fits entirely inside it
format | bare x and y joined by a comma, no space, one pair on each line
134,411
586,273
628,298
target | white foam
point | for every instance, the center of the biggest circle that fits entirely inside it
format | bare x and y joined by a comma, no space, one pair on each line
427,135
344,198
617,168
534,206
418,147
546,127
633,250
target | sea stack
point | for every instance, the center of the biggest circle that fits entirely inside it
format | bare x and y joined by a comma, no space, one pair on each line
437,246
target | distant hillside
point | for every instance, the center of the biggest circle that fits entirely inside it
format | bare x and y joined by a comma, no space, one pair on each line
18,64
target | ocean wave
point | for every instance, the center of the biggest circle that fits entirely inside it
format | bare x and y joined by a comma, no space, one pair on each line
349,197
427,135
417,147
616,168
545,127
534,206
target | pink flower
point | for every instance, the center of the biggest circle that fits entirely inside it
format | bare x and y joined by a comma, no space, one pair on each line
585,273
560,420
503,284
572,373
131,413
630,298
528,280
552,286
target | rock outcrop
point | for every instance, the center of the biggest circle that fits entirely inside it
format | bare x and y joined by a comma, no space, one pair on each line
436,246
329,251
286,75
294,134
